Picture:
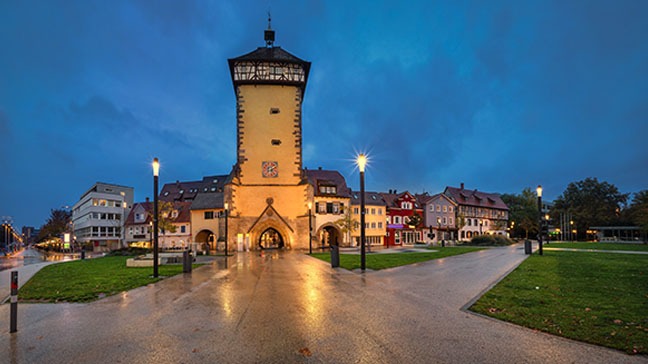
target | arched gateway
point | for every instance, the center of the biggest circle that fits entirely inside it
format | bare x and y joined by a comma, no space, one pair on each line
271,239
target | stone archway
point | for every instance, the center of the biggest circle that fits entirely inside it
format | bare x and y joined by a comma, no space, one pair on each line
328,235
270,238
207,239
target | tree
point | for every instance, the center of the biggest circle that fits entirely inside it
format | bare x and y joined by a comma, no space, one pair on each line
347,224
637,212
414,220
166,219
523,210
591,203
56,225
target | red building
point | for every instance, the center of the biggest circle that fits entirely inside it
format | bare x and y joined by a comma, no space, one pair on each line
404,219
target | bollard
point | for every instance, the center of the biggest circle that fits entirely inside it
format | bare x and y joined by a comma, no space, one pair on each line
186,261
82,253
13,325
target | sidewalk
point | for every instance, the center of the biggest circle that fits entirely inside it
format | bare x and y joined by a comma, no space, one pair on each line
288,307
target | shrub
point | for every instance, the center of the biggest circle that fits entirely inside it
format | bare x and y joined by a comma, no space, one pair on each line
128,252
491,240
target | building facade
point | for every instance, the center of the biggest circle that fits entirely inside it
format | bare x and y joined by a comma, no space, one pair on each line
478,212
98,217
440,217
329,209
405,223
375,219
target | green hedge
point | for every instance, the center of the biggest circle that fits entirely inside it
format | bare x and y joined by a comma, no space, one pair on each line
491,240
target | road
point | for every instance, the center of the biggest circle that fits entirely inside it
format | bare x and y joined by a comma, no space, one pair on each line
287,307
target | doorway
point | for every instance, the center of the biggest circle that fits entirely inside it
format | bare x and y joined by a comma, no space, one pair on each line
271,239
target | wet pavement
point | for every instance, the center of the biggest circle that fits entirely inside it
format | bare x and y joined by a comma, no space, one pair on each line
287,307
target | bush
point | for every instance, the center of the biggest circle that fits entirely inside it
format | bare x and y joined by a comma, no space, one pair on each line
128,252
491,240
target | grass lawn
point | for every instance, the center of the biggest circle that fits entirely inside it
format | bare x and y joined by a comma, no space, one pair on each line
597,298
89,279
599,246
376,261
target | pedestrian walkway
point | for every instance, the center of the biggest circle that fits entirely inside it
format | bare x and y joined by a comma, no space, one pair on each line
288,307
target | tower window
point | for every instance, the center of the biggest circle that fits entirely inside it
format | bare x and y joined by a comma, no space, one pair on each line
274,110
276,142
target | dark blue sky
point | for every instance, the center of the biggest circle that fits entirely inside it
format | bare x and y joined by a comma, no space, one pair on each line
500,95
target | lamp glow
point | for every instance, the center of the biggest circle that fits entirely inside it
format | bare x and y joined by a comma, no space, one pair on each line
539,191
362,162
156,167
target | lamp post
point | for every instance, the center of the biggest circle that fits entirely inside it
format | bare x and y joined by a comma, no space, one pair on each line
310,229
156,171
547,217
439,231
362,162
539,191
150,233
226,213
481,224
571,230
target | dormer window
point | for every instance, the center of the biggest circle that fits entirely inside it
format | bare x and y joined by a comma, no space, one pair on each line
181,192
327,190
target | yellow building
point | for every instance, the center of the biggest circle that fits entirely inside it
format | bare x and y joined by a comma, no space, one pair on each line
375,218
267,194
331,202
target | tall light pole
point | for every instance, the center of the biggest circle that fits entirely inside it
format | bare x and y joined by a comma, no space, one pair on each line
571,230
539,191
362,162
156,172
226,213
310,229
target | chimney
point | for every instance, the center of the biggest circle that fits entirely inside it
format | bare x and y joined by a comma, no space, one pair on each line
462,185
147,199
320,168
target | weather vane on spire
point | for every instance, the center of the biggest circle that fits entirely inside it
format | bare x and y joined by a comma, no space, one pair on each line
269,34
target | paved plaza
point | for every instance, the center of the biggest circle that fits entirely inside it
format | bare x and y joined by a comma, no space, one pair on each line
287,307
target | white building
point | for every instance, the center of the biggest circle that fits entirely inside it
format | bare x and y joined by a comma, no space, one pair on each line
99,215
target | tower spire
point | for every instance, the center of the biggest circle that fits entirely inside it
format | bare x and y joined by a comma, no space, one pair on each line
269,34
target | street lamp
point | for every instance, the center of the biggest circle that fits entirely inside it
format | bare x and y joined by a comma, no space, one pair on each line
226,213
439,233
156,172
362,162
571,230
539,191
310,229
150,233
481,224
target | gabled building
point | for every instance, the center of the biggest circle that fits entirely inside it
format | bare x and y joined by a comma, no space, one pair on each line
440,216
207,220
404,218
478,212
375,219
139,226
331,201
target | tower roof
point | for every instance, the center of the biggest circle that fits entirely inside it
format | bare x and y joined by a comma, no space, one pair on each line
269,65
270,54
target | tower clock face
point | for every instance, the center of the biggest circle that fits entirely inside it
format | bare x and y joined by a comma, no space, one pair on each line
269,169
